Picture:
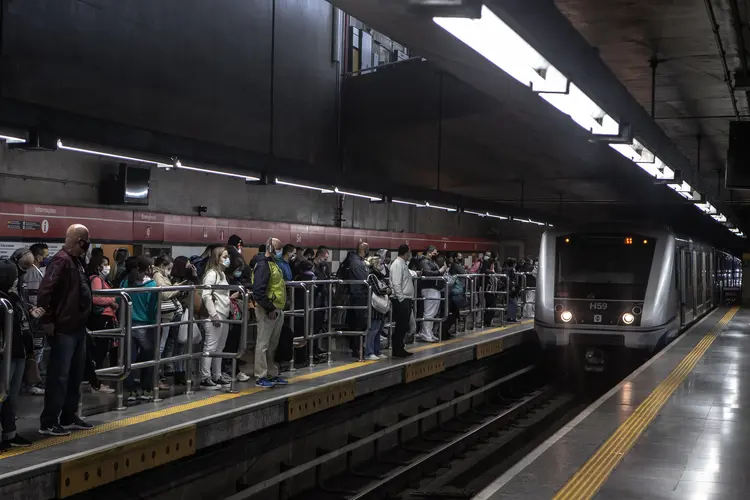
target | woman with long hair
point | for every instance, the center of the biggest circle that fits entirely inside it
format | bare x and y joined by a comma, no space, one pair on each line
145,306
103,317
216,304
171,310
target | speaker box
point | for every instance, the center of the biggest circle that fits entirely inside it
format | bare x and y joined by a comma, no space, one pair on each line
738,156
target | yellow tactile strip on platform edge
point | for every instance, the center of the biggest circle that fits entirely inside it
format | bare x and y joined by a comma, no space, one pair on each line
586,482
219,398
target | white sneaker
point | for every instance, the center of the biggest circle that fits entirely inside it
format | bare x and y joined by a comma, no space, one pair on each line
36,391
425,338
103,389
372,357
382,356
241,377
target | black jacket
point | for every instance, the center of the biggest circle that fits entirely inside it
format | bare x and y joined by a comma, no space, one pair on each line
23,341
430,269
356,270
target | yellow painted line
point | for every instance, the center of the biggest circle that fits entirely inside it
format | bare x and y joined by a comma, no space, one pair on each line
219,398
586,482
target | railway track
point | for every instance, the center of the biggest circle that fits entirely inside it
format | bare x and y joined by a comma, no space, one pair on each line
438,451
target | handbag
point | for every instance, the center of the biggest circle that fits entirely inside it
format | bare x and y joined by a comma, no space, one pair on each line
235,311
182,334
380,303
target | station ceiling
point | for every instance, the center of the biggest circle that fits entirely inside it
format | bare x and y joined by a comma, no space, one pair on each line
506,136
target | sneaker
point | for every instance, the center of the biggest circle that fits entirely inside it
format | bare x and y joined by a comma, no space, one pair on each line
103,389
54,430
382,356
221,382
132,396
372,357
424,338
226,378
208,385
264,383
242,377
146,396
36,391
17,442
402,354
78,424
279,381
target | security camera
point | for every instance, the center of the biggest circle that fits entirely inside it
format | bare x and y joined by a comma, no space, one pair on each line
201,209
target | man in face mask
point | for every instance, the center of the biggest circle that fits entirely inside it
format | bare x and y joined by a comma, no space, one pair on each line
64,302
269,293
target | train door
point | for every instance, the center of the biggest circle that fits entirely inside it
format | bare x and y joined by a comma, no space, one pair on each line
685,289
678,280
699,282
689,300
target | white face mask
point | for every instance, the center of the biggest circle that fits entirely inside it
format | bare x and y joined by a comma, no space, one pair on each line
105,270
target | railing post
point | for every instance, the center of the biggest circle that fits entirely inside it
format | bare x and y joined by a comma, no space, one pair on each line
369,322
189,364
157,350
330,322
292,317
309,304
417,296
7,349
123,353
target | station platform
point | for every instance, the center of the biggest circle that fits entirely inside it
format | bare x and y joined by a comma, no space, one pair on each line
676,428
142,437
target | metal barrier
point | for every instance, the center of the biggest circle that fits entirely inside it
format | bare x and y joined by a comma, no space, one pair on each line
526,292
476,288
121,372
7,348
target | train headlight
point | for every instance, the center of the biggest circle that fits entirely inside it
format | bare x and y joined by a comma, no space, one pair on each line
628,318
566,316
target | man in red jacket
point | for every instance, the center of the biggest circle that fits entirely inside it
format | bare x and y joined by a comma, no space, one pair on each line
64,301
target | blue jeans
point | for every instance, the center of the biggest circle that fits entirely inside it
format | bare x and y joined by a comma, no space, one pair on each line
142,349
372,339
7,410
67,361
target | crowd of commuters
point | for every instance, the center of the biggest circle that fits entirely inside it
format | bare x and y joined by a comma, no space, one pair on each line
54,306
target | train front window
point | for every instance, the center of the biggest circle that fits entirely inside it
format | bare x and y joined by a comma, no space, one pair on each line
612,267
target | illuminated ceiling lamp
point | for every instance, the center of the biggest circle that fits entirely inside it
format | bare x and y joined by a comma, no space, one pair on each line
582,110
61,145
355,195
10,139
281,182
247,178
502,46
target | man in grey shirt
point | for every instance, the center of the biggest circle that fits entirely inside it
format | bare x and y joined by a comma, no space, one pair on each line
403,294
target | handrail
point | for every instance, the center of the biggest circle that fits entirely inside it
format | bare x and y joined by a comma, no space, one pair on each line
7,350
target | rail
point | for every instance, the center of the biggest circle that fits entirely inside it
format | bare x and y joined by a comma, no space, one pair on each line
310,309
7,348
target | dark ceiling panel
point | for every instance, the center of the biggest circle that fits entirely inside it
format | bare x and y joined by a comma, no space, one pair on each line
187,67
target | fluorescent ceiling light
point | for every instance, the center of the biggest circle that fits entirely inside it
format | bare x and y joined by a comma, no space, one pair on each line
529,221
480,214
719,218
502,217
684,190
302,186
635,152
356,195
413,204
11,139
447,209
502,46
706,208
583,111
179,165
734,230
60,145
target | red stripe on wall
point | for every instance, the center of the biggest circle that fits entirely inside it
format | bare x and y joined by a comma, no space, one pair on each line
49,222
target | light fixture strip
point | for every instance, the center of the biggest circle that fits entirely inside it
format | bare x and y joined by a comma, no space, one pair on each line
61,145
301,186
180,166
411,203
357,195
11,139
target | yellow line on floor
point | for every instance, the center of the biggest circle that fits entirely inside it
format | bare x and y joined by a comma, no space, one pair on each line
586,482
219,398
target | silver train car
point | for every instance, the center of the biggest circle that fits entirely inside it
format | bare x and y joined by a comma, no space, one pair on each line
605,295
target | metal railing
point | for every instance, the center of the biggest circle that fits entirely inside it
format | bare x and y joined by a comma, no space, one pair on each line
528,296
476,288
7,348
125,329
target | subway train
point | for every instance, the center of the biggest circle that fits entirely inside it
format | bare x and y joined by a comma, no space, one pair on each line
607,298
